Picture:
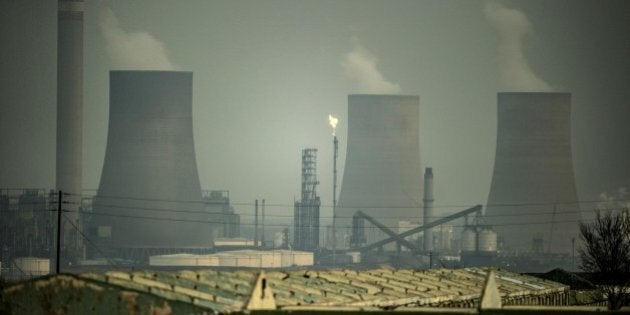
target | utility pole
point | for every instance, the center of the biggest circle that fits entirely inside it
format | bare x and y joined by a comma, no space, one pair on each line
573,254
262,236
256,224
58,233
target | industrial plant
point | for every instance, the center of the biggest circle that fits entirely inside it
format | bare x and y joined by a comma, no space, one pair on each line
150,206
150,209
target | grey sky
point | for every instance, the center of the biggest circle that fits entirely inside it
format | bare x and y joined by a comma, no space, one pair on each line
268,73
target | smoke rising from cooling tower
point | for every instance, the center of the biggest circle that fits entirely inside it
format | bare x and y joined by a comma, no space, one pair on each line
361,66
137,50
513,25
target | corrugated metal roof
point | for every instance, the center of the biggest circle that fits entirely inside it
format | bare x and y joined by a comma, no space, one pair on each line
230,291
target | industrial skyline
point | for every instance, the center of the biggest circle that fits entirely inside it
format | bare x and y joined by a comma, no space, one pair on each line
268,74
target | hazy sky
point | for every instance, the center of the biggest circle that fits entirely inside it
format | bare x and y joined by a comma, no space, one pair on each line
268,73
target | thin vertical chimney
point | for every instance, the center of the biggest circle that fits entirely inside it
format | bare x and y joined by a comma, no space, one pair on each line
428,208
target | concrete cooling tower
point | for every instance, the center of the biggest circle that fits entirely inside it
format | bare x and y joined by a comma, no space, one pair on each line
382,174
149,194
533,200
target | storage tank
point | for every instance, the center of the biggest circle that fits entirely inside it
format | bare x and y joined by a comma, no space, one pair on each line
149,193
487,240
382,174
469,239
32,266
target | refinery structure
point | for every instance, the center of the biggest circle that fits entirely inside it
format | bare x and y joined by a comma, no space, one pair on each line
306,213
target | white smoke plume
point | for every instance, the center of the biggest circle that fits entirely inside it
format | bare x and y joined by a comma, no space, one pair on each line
360,66
137,50
513,25
616,200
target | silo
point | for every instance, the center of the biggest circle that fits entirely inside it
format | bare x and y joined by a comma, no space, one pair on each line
533,187
469,239
486,240
382,175
149,192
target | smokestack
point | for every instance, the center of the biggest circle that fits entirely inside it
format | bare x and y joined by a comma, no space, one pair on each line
428,207
533,193
70,102
382,175
149,194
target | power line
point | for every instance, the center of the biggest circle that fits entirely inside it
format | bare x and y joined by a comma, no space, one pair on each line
206,201
524,213
167,210
284,225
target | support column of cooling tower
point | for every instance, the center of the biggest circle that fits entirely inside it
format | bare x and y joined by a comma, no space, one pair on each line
334,228
256,223
70,103
428,208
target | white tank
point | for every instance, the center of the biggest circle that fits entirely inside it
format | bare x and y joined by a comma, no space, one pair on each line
487,240
469,239
32,266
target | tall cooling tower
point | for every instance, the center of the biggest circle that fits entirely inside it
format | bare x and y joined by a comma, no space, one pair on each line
533,200
70,101
149,194
382,175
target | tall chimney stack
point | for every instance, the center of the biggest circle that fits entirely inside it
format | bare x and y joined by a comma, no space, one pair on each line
70,102
428,207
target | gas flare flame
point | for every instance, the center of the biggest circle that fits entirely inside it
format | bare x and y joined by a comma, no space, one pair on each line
333,122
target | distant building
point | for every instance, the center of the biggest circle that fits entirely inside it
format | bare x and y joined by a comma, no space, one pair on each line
227,222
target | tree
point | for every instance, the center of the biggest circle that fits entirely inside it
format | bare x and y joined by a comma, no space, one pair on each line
606,254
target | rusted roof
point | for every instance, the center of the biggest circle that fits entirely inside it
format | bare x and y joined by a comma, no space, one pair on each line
232,291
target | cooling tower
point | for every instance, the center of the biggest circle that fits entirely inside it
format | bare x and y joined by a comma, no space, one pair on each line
382,175
533,194
70,101
149,192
